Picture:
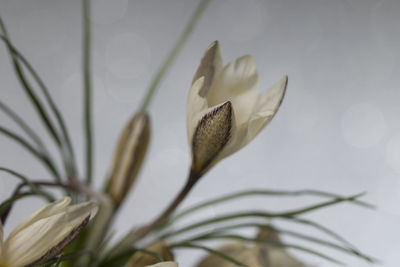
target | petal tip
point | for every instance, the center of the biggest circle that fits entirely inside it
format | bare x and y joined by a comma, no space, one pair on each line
213,45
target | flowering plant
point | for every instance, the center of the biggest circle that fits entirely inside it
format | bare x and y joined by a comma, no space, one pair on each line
225,111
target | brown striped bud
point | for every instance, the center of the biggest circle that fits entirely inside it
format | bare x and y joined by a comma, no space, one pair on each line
129,156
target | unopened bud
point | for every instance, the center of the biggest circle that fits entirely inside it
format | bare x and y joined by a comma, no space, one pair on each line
210,137
129,156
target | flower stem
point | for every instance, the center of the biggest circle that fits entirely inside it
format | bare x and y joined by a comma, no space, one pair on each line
173,54
137,234
87,82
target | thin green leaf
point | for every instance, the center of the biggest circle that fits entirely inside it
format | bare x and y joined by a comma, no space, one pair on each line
210,250
286,232
26,181
119,259
87,82
285,245
11,200
47,162
324,230
321,205
262,214
173,54
52,105
28,90
24,126
241,194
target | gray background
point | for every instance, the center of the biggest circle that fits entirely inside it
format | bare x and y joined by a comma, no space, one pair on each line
337,130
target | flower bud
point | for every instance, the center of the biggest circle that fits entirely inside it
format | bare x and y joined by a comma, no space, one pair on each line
129,156
210,137
142,259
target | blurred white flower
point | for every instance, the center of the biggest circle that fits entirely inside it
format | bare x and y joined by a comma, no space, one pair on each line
225,109
164,264
44,234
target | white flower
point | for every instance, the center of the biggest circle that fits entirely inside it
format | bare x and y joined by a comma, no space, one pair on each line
44,234
164,264
225,108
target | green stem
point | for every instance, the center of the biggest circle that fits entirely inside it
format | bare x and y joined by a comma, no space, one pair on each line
87,82
137,234
173,54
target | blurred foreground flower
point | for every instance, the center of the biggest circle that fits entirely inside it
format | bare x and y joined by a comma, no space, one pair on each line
225,109
263,254
45,234
142,259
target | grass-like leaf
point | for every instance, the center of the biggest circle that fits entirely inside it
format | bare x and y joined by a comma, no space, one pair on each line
247,193
169,60
47,162
28,89
263,214
209,250
26,181
311,239
25,127
6,206
87,86
323,229
72,169
284,245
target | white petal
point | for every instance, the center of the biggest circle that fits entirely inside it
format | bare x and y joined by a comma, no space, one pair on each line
210,66
196,107
77,213
46,211
238,82
267,106
164,264
236,142
33,241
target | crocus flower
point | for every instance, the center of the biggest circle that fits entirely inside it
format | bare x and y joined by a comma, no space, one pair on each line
225,109
44,234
